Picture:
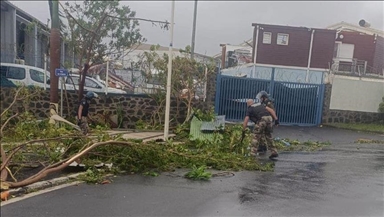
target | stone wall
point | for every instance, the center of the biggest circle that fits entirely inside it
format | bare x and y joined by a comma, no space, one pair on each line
132,108
344,116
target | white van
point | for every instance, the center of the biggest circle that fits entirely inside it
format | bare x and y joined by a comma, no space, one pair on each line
33,76
27,75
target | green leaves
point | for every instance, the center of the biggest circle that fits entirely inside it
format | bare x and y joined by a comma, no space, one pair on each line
92,176
111,25
296,145
381,106
198,173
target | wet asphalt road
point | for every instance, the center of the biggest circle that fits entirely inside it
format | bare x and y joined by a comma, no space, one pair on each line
345,179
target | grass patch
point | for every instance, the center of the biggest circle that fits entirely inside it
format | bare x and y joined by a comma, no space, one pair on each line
375,128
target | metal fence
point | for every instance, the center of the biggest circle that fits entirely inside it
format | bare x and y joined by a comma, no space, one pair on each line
295,103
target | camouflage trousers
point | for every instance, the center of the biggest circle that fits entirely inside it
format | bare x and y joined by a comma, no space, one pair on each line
262,135
84,125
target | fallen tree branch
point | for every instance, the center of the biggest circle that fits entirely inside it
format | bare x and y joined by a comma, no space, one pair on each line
57,167
17,148
10,173
13,102
5,124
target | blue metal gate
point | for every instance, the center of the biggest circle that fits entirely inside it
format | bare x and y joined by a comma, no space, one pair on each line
296,103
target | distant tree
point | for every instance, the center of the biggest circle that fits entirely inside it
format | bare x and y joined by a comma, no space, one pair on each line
102,28
188,75
381,106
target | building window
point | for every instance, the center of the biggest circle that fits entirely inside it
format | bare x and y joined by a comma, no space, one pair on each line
282,39
346,52
267,37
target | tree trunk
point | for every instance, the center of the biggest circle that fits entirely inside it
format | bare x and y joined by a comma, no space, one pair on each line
54,53
82,82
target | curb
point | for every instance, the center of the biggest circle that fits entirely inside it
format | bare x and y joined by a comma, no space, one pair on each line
44,184
361,130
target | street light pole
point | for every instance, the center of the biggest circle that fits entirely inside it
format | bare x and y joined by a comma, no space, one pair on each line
194,30
169,76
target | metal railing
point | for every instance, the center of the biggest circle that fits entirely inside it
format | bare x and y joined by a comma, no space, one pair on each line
354,67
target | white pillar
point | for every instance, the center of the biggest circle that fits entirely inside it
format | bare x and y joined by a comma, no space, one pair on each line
255,56
45,71
205,83
168,97
106,77
309,56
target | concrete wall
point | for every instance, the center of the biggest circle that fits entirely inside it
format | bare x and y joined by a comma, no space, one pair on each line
356,93
345,116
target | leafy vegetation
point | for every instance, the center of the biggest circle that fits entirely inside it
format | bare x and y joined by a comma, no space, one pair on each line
295,145
92,176
188,79
381,106
198,173
100,28
28,128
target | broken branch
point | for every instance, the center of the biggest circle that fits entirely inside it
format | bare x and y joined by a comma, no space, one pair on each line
57,167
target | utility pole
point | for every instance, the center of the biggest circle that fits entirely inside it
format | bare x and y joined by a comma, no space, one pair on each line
169,76
194,31
54,53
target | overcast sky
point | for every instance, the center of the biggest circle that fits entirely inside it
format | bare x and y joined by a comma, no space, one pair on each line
230,22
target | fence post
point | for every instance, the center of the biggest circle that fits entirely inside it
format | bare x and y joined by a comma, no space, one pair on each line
217,94
272,86
320,104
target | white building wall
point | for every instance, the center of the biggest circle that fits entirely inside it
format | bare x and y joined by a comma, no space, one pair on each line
356,94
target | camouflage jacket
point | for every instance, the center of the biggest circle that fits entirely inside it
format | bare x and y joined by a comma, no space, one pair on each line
269,103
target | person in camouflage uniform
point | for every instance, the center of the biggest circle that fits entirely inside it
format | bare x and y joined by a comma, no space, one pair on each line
82,112
261,115
266,100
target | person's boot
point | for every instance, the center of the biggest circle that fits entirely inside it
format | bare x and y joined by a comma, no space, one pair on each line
274,154
261,149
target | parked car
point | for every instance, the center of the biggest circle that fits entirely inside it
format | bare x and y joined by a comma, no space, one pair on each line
33,76
91,84
23,74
